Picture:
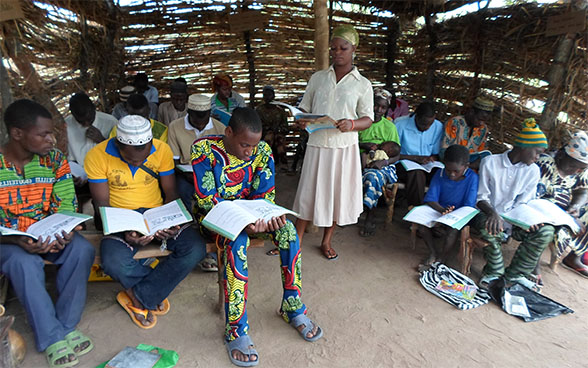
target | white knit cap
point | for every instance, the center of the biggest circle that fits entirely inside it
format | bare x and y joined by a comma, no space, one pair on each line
198,103
134,130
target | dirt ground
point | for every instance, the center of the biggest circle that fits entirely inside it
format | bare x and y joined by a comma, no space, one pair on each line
369,302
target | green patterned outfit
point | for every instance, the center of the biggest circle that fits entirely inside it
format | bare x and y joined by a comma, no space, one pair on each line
220,176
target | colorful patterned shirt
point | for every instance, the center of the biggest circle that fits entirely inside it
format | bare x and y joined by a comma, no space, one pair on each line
44,188
457,131
218,175
554,187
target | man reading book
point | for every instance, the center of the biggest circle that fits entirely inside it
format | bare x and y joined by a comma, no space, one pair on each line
135,171
35,182
506,181
240,166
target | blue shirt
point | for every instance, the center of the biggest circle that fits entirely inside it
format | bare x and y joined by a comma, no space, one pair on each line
453,193
415,142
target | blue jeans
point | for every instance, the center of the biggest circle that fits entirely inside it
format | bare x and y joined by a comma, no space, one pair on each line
152,286
185,190
50,323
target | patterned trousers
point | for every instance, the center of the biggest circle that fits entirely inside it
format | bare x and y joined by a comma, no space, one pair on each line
236,276
527,255
564,238
374,181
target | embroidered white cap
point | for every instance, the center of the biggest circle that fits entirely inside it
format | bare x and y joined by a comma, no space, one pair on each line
134,130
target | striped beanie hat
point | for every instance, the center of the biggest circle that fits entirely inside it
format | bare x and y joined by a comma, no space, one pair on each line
530,135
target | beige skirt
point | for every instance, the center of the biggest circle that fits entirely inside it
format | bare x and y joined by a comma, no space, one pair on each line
330,188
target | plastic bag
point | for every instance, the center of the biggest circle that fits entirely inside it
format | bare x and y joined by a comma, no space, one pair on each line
539,306
168,359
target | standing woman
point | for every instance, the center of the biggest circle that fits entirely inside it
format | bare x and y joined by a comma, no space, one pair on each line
330,191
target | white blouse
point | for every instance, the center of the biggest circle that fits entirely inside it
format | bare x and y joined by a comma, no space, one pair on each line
351,98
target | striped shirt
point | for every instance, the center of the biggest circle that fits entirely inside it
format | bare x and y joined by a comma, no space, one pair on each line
44,188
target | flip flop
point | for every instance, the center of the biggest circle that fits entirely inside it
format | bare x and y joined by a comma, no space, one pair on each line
75,339
209,264
58,350
166,308
302,319
486,281
125,301
526,283
330,254
273,252
582,271
243,345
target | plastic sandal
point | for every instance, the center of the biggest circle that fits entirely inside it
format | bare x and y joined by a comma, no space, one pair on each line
209,264
166,307
242,344
58,350
526,283
75,339
485,281
302,319
125,301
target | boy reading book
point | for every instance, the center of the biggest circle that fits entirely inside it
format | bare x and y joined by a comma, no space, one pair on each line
35,182
240,166
506,181
453,187
136,172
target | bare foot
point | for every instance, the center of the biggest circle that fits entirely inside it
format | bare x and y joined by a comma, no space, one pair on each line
243,357
137,304
427,262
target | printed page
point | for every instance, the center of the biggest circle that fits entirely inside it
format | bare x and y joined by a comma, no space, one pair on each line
556,215
411,165
163,217
459,217
116,220
9,232
431,165
185,168
524,216
423,215
228,219
294,110
263,209
56,223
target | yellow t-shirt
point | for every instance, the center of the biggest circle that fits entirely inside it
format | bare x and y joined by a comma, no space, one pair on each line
159,131
130,186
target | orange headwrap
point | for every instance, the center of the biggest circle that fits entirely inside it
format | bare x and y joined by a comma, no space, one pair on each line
221,80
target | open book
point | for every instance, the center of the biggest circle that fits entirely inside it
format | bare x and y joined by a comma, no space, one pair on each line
50,225
427,216
540,211
318,121
411,165
222,116
185,168
77,170
229,218
116,220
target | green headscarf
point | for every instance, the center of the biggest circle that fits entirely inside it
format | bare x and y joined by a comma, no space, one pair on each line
348,33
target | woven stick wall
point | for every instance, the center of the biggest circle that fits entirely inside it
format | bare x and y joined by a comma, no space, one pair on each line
97,46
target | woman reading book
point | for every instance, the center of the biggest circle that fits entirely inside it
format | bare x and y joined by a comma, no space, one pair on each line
330,191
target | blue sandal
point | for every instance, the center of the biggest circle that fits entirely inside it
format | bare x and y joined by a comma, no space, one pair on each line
243,345
302,319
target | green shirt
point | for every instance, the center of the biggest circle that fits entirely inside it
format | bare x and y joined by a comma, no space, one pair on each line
380,132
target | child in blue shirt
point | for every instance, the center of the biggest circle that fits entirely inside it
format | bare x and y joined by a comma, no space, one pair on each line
453,187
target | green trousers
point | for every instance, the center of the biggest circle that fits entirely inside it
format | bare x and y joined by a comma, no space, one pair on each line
533,243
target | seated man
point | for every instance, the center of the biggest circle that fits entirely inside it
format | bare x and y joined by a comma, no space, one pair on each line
182,133
141,83
128,172
420,137
137,105
35,182
240,166
470,130
86,127
275,125
564,181
175,108
120,109
506,181
381,135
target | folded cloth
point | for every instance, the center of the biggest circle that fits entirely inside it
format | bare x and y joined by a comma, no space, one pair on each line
437,272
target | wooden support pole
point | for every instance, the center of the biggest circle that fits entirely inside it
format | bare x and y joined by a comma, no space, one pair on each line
431,57
7,98
391,52
321,35
34,85
251,63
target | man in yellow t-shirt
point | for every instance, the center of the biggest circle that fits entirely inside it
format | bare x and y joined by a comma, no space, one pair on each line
135,171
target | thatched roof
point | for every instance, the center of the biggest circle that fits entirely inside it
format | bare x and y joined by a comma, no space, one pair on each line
500,52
